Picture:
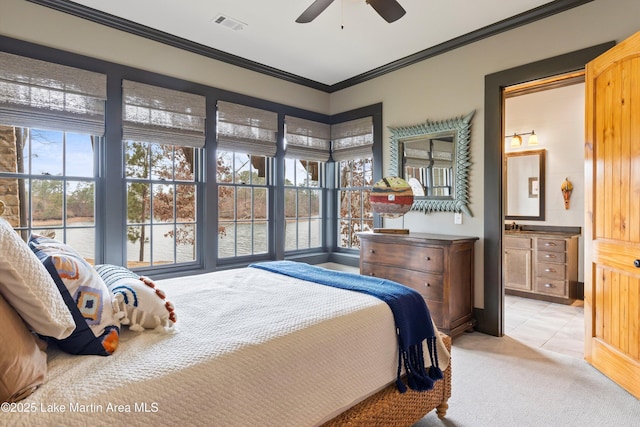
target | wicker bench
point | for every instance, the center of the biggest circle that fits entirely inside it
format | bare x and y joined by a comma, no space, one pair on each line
390,408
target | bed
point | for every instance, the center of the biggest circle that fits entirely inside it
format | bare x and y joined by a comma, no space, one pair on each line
250,347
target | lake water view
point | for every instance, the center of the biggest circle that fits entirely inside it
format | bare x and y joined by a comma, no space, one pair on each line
236,242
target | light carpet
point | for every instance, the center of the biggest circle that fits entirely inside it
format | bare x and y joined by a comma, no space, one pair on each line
502,382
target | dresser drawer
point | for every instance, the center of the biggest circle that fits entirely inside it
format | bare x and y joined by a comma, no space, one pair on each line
517,242
438,267
551,245
559,257
430,286
551,271
548,270
551,287
412,257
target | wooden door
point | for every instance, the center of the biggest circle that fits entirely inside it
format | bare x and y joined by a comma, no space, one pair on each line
612,214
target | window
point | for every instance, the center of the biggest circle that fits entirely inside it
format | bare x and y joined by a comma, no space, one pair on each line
163,132
352,150
48,182
243,204
138,199
51,122
246,147
354,209
161,204
303,204
430,162
442,181
307,150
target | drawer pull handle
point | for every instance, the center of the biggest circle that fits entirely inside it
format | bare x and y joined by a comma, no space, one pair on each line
636,263
549,256
428,285
548,285
428,258
371,251
371,274
550,270
549,244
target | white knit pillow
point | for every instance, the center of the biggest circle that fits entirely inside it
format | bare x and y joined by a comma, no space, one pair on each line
28,287
145,305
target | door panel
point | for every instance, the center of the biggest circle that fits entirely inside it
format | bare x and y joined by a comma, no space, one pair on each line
517,271
612,223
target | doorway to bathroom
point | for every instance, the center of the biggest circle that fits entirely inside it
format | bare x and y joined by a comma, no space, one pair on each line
542,267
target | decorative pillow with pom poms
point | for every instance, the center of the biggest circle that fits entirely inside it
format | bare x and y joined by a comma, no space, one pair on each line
145,305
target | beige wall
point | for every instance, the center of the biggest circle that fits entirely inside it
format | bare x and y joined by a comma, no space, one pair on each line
452,84
448,85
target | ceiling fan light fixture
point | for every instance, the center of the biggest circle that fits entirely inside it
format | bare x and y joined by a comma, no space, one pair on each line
389,10
312,12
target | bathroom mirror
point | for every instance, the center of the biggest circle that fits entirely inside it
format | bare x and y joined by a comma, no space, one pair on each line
434,158
524,180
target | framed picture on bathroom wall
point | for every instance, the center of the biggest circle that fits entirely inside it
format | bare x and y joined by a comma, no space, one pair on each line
533,187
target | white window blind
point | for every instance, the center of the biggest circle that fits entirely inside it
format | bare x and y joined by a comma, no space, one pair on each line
352,140
416,158
429,153
35,93
307,139
166,116
247,129
442,154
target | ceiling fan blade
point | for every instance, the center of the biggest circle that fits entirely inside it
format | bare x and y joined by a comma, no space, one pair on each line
313,11
390,10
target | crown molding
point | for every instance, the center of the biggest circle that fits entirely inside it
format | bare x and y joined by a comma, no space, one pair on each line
131,27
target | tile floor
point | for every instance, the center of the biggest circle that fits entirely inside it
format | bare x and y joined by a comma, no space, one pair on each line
550,326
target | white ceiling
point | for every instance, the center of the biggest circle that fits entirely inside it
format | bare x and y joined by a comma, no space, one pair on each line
349,38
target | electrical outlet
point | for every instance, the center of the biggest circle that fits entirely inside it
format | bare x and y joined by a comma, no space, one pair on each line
457,218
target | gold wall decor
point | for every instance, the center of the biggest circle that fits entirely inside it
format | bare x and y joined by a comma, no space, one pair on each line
567,188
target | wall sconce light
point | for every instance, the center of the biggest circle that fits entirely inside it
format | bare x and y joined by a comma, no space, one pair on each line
516,139
533,139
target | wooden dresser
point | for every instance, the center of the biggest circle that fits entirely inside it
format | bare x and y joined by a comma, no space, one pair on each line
541,265
439,267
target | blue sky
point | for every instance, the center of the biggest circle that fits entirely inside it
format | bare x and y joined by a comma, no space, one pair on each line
47,153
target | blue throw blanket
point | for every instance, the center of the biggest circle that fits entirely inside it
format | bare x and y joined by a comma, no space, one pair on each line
410,312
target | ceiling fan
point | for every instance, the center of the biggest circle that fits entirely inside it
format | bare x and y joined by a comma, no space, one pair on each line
390,10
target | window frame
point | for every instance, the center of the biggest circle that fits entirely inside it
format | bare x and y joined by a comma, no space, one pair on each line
297,189
110,188
152,223
350,188
29,176
268,187
350,256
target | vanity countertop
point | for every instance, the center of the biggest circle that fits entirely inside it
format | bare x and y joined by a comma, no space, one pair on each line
540,233
551,231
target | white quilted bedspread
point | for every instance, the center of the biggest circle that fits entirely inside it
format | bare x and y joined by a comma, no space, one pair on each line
250,348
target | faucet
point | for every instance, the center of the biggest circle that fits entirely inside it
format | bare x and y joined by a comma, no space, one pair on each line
514,226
